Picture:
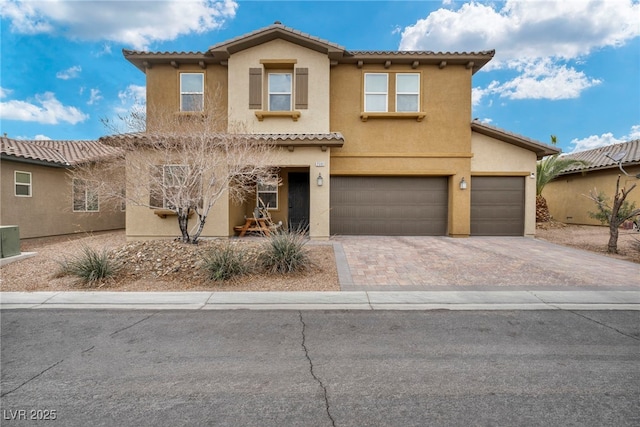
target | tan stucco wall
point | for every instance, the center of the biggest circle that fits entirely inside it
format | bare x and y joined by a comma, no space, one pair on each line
439,145
496,158
49,211
163,93
314,119
143,224
567,195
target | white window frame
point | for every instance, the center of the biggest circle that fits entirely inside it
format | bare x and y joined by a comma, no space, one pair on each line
416,93
273,182
16,184
290,92
385,93
88,193
183,92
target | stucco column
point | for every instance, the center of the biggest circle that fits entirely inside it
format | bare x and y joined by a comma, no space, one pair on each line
319,200
460,205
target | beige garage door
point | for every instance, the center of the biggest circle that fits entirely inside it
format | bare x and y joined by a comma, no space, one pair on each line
497,206
389,206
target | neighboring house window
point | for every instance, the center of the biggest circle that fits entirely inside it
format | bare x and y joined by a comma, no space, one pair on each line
375,92
268,193
191,92
22,184
279,91
84,199
407,92
171,184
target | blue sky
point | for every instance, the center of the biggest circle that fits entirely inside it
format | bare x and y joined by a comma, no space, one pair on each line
569,68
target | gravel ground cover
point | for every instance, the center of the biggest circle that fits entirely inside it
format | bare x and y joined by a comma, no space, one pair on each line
158,266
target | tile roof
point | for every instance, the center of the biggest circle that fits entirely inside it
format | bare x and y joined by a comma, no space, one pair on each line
220,52
276,25
334,138
541,149
54,153
597,158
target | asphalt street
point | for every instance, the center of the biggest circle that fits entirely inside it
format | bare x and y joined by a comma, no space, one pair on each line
320,368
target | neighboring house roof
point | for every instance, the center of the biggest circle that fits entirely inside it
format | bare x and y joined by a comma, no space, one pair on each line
220,52
597,158
54,153
541,149
333,139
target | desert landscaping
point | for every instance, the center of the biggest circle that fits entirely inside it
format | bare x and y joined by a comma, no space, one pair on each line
173,266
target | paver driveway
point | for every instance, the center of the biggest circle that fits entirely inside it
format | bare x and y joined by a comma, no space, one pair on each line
382,262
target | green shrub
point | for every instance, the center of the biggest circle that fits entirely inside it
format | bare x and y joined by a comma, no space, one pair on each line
226,262
90,266
285,252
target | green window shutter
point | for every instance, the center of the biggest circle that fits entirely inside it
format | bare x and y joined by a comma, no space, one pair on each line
155,187
255,88
302,88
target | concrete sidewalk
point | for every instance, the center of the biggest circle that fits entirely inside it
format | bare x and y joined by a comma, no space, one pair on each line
357,300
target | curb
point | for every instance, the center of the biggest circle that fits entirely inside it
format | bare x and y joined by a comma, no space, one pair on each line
357,300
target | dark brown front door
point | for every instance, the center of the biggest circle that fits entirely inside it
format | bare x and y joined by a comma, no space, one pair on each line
298,200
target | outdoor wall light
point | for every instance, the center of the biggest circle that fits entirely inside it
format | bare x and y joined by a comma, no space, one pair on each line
319,180
463,184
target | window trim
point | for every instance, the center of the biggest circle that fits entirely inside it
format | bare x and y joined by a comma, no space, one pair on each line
16,184
417,94
269,92
182,110
366,115
276,192
386,93
87,192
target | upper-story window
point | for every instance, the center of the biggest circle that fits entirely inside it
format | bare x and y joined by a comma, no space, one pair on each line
22,183
377,92
279,91
407,92
376,86
191,91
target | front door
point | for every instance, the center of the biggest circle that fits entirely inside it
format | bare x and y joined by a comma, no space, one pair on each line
298,200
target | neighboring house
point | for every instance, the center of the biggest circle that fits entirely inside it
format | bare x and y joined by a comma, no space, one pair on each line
389,133
567,195
40,196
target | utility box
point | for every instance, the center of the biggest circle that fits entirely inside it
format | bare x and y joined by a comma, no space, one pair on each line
9,241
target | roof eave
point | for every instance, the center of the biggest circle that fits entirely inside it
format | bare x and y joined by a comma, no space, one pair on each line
541,149
37,162
472,60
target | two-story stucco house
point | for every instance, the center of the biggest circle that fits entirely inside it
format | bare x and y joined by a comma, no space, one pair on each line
376,143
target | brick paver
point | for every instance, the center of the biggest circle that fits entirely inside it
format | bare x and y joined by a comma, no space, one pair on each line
414,262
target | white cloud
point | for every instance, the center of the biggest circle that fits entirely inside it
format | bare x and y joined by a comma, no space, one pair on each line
135,23
95,96
132,95
540,80
4,92
69,73
534,38
41,137
46,109
527,29
595,141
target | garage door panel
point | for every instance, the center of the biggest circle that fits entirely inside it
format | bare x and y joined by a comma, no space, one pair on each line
389,205
497,206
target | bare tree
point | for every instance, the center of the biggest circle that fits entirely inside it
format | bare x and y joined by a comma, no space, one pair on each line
615,214
183,163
